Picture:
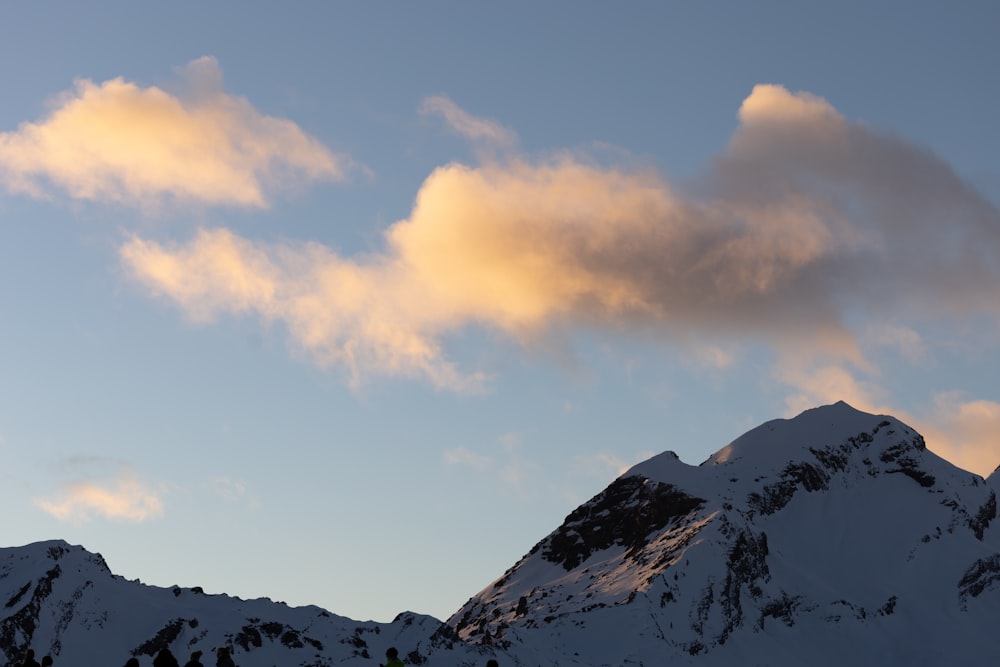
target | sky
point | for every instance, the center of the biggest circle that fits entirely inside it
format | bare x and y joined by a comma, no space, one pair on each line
350,304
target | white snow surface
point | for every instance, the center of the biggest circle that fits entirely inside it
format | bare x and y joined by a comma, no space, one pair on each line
832,537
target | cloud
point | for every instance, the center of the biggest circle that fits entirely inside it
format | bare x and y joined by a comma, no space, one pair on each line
966,432
826,384
508,464
363,316
478,130
905,340
462,456
123,499
805,223
119,142
231,490
604,465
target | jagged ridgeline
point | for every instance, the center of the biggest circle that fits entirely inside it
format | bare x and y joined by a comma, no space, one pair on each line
833,537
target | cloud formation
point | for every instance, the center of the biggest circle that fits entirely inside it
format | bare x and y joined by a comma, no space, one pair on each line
805,220
966,432
124,499
474,129
119,142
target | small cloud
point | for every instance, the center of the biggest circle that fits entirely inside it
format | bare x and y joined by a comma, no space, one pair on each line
908,342
478,130
120,142
509,465
712,356
124,499
464,457
603,464
518,471
510,440
231,490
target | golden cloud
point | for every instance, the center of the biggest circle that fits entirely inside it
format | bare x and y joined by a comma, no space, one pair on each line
125,499
966,432
805,218
119,142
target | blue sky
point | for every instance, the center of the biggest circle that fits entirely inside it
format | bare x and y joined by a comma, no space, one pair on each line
350,305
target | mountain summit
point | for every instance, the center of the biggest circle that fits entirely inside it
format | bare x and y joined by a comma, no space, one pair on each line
834,537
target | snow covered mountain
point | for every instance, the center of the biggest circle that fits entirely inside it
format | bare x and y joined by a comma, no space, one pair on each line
64,601
834,536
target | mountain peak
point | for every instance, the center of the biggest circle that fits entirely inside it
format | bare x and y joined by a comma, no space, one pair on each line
48,554
779,440
770,447
834,514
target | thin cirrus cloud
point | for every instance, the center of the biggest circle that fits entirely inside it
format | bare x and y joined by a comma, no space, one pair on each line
805,219
126,498
119,142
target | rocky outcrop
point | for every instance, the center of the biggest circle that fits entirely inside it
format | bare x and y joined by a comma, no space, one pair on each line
624,515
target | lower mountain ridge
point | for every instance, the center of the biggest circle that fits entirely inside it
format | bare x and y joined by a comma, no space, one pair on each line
833,537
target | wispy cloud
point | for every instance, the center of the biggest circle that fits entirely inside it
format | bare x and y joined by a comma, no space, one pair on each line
477,130
465,457
117,141
805,223
904,340
605,465
507,462
231,490
123,497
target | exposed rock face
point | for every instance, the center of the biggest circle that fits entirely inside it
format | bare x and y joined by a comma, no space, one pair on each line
623,515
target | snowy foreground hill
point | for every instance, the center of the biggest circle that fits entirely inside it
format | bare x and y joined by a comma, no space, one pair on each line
834,537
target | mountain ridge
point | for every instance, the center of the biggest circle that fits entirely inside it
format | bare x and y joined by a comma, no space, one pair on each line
832,536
